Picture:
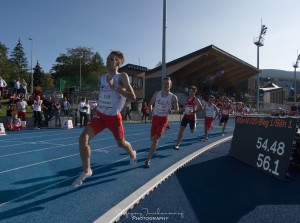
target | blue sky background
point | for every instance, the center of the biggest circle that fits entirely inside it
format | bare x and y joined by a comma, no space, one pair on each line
135,27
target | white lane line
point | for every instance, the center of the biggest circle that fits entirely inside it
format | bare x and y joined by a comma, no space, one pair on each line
64,157
54,147
59,182
50,135
114,214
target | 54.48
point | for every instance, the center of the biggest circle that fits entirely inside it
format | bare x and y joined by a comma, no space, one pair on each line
276,147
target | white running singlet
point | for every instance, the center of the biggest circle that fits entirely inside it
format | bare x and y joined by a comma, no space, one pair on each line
110,101
210,110
162,105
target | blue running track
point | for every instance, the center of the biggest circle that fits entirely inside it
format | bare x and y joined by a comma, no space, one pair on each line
37,169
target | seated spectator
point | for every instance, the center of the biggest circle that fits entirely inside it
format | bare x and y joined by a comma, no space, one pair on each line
15,124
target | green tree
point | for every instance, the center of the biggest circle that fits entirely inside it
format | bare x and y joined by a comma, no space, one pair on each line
38,76
19,62
49,81
6,70
68,66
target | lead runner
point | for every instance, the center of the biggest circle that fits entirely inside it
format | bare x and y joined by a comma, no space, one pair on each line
114,90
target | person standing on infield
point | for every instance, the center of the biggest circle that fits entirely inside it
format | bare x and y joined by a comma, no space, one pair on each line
211,113
115,88
164,100
191,107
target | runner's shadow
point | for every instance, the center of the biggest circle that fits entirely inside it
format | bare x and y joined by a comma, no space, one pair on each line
34,206
227,189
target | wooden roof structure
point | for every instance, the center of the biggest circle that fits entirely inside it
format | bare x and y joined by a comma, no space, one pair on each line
204,64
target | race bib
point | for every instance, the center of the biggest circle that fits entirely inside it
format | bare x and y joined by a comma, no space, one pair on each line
189,110
225,112
105,100
161,109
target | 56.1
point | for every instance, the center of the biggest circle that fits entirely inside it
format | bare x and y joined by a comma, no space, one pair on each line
264,162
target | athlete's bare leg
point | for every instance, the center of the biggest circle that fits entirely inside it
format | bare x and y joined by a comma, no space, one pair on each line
126,146
179,138
84,148
153,148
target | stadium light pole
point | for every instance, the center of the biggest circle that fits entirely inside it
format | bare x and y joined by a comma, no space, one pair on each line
295,79
80,74
259,41
163,64
31,77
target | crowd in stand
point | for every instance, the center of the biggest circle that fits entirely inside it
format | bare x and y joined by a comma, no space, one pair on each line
18,106
16,110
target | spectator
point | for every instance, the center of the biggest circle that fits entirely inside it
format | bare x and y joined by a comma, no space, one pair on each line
2,86
127,112
15,124
48,110
13,99
145,111
17,89
22,105
23,87
9,114
94,106
82,109
88,111
66,106
37,108
57,113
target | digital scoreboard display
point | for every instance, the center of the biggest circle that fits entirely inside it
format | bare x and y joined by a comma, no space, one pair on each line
264,143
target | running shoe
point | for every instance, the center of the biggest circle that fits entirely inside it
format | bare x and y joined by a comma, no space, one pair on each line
176,147
133,160
206,139
147,164
222,134
81,178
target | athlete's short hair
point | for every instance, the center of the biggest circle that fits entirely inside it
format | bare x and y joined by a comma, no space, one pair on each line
119,55
193,87
167,78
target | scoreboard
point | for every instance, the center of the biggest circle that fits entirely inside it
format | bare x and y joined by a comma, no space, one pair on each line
264,143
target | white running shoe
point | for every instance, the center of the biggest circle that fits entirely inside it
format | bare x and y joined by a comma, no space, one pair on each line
133,160
222,134
81,178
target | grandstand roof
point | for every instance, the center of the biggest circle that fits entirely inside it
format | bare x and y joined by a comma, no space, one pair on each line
204,65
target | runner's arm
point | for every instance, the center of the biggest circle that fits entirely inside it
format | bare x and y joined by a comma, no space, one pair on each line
175,104
150,105
125,89
199,105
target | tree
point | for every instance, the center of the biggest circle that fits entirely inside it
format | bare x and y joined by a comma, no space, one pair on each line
159,64
19,62
38,76
68,66
49,81
6,71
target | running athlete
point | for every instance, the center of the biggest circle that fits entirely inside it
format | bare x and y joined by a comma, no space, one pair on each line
190,108
225,111
164,100
211,113
239,111
114,90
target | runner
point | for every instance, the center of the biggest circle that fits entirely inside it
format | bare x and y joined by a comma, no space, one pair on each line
225,111
164,100
239,111
114,90
191,106
211,113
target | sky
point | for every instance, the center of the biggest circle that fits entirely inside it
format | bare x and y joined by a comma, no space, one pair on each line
135,28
